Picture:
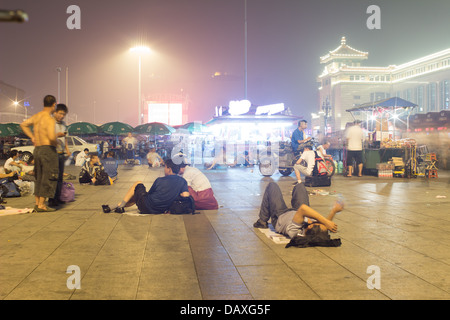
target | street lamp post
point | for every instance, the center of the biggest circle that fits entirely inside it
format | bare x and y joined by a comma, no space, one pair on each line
140,50
58,69
326,108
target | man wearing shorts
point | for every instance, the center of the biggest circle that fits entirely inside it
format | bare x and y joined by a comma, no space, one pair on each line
355,137
298,219
164,191
46,166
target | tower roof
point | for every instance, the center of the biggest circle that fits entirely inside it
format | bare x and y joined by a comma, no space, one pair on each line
344,51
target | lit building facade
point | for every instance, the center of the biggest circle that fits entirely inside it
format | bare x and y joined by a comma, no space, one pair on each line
346,83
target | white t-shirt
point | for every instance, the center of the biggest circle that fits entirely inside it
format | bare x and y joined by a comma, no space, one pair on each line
10,167
130,140
154,158
355,137
196,179
80,159
309,157
61,141
321,152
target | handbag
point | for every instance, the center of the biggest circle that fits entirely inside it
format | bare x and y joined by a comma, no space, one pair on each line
67,192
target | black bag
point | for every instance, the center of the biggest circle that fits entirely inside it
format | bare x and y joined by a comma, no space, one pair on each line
183,205
314,238
102,178
8,188
318,181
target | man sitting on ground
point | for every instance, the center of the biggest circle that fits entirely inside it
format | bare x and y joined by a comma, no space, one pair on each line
14,163
90,169
111,164
154,159
164,191
199,188
82,157
299,219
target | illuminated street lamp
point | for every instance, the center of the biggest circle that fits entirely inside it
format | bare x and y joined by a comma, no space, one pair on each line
140,50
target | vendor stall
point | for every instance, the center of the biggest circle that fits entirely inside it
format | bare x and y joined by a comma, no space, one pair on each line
388,151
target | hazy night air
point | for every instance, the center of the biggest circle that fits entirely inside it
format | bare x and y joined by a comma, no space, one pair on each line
193,40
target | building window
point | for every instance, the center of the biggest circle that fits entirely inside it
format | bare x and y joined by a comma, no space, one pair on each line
445,95
420,98
431,93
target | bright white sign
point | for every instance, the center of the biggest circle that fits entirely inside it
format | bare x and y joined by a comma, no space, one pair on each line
236,108
270,109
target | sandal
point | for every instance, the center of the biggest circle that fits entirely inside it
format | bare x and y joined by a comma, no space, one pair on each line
119,210
106,208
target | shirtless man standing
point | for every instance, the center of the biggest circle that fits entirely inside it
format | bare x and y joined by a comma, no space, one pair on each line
46,166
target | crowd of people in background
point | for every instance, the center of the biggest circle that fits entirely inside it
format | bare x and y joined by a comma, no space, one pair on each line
180,181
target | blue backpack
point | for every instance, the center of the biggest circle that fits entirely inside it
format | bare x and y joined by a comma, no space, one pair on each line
8,188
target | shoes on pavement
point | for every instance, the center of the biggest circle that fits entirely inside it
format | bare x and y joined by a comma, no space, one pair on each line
260,224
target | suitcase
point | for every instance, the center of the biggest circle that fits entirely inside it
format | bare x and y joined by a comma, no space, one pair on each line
318,181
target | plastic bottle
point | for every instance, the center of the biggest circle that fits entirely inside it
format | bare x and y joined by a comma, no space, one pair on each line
340,167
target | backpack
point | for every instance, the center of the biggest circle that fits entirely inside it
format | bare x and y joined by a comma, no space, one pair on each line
320,168
182,205
67,192
102,178
8,188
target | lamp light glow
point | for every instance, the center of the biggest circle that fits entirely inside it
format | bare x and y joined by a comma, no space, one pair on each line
140,49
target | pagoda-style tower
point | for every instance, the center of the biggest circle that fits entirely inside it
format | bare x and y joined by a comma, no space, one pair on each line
338,63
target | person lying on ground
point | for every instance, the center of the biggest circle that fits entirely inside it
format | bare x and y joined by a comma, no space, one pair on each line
163,192
297,220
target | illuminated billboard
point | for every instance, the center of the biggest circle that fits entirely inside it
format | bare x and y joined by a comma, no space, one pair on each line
165,112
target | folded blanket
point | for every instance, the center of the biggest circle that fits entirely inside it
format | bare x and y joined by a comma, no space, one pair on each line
10,211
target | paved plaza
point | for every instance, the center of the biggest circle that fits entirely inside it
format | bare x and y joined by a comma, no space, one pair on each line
395,244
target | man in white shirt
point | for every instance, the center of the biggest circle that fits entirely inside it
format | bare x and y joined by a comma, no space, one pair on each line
13,163
305,164
322,150
82,157
199,188
61,148
130,144
355,137
154,159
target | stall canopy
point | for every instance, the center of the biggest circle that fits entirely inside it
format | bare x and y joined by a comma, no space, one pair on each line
386,108
394,102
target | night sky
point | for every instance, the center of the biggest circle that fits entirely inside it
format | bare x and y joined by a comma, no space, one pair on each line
192,39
